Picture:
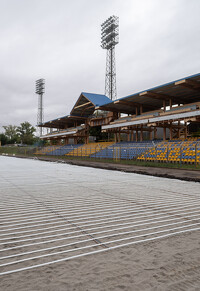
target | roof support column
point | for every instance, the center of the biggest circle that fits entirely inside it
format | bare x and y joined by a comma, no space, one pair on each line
115,137
128,137
131,135
119,136
164,105
141,133
86,132
170,131
170,103
185,131
150,134
164,133
179,129
136,135
141,109
155,133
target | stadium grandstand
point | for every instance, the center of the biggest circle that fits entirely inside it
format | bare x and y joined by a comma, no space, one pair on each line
161,123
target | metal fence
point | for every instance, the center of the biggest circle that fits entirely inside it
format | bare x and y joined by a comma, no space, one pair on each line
173,153
15,150
170,153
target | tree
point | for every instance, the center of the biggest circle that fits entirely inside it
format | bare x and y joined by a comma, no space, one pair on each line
96,131
3,139
11,133
26,133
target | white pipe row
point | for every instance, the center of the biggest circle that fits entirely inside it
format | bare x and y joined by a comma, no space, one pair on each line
80,248
72,237
110,197
88,229
87,211
61,246
101,205
80,202
79,214
88,233
98,251
106,219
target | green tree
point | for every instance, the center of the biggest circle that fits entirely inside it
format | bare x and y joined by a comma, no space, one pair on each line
96,131
11,133
26,133
3,139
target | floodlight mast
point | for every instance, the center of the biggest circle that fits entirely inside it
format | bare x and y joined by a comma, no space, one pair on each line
109,39
40,85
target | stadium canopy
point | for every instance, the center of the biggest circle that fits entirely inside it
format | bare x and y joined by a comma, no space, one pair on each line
61,122
84,107
86,104
181,91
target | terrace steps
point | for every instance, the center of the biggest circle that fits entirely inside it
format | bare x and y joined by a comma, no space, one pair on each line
174,151
89,149
46,150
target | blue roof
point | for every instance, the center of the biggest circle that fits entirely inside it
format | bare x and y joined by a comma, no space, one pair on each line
161,86
96,99
87,102
169,89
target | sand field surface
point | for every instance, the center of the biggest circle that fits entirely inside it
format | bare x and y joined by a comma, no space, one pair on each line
66,227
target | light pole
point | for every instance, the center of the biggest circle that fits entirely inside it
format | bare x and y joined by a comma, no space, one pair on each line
40,85
109,39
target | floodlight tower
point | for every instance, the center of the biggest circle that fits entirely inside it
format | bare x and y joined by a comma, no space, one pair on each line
109,39
40,91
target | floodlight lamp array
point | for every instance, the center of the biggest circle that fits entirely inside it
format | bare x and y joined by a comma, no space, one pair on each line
110,32
40,86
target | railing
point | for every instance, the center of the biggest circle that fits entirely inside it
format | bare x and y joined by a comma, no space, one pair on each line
160,153
182,153
14,150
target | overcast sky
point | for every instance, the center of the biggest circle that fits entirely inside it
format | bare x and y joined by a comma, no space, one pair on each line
59,40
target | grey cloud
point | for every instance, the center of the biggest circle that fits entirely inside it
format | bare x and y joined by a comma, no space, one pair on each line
60,41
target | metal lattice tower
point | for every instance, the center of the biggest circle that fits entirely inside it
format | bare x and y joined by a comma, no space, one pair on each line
40,84
109,39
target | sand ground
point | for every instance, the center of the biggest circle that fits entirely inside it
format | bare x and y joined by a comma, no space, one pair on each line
168,264
61,191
